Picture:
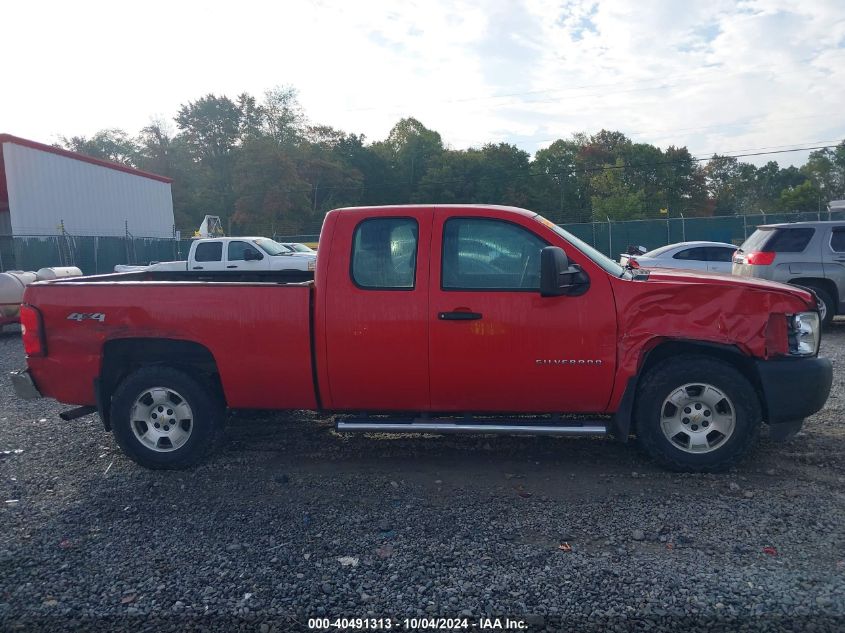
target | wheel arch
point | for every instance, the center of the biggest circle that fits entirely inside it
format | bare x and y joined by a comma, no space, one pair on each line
823,283
120,357
669,348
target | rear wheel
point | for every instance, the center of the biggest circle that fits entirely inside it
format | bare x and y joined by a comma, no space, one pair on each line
163,418
696,414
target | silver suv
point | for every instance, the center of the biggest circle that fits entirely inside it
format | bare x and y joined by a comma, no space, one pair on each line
809,254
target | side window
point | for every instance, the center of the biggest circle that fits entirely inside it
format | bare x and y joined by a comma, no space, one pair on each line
490,254
237,250
209,252
837,240
789,240
720,254
384,253
696,254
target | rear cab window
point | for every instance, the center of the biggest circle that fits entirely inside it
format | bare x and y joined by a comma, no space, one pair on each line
384,254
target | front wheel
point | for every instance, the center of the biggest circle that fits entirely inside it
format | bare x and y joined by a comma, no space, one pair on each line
696,414
163,418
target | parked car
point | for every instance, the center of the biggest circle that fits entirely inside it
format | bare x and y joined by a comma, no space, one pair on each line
235,254
809,254
714,257
473,319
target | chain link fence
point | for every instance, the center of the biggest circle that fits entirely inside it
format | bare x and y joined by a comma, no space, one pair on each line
613,238
97,255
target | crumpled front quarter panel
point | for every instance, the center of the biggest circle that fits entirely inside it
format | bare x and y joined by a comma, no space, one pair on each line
696,308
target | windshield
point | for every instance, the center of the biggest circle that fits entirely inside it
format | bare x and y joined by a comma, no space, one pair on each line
271,247
659,251
598,257
299,248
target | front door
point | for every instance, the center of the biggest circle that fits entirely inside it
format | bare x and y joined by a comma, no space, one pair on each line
496,345
242,255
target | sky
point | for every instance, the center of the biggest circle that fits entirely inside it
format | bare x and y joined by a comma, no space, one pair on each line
716,75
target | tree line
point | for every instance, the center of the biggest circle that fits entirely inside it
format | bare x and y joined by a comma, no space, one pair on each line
263,167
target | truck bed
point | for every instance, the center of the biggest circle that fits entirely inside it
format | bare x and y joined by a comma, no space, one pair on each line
229,276
257,327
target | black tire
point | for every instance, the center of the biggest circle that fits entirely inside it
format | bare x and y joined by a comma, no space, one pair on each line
207,419
663,379
829,304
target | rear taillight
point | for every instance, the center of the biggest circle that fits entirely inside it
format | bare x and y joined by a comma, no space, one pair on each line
633,263
32,331
760,258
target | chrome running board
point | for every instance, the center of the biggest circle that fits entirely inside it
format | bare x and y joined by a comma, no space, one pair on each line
366,425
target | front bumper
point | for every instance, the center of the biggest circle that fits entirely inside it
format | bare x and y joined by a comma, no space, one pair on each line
24,386
794,388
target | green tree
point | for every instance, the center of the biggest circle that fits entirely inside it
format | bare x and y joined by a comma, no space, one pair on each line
409,149
557,187
803,197
613,198
209,128
721,175
269,194
113,144
452,178
283,116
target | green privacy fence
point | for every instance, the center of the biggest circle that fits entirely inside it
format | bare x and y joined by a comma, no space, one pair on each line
100,254
92,255
612,238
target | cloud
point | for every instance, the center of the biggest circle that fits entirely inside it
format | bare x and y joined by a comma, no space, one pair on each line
715,76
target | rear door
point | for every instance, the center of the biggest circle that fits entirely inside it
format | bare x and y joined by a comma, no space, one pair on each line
690,259
833,258
496,344
208,256
376,320
719,259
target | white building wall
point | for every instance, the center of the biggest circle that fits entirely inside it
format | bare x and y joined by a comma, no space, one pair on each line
46,189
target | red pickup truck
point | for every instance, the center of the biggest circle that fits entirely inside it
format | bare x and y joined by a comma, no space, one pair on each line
434,318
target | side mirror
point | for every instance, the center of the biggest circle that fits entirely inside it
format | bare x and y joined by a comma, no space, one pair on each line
559,277
252,256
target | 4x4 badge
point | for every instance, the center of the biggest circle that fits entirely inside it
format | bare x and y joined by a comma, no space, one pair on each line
83,316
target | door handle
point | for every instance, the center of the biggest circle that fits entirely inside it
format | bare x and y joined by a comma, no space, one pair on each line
839,259
458,316
232,266
197,267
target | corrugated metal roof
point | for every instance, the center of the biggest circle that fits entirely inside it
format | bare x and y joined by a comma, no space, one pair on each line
8,138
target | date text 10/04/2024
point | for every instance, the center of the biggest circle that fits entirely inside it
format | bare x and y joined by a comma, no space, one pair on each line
418,624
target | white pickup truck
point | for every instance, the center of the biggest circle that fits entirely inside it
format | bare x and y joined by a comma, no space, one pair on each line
235,254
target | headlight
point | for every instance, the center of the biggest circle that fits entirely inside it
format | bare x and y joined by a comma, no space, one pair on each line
803,333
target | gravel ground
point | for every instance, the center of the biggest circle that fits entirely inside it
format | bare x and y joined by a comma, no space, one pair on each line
290,521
